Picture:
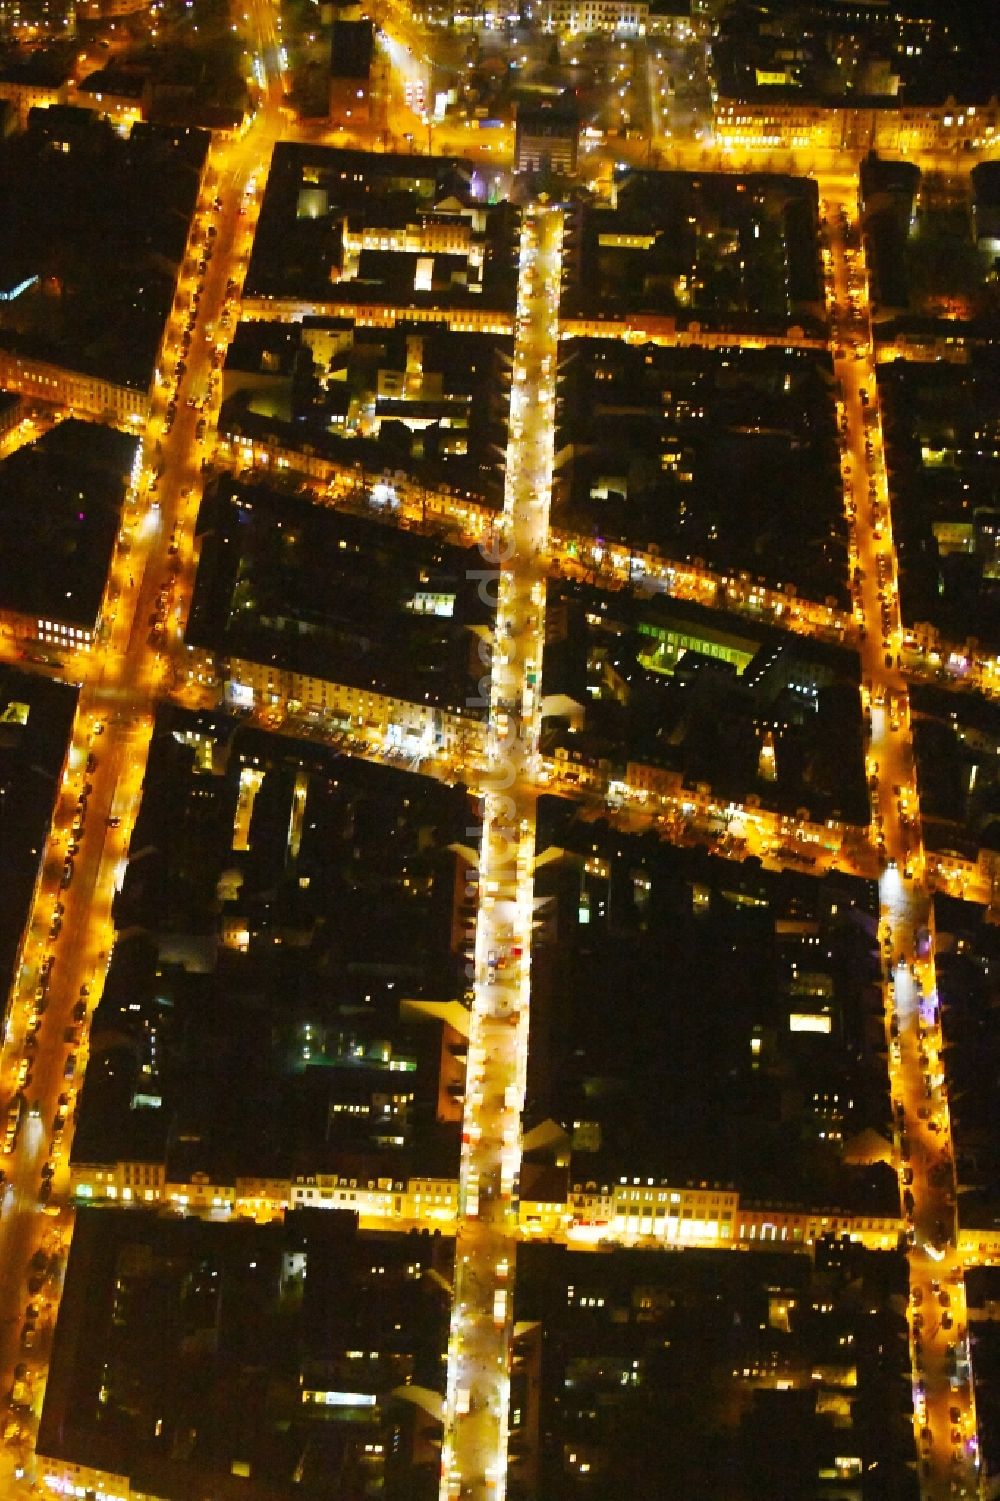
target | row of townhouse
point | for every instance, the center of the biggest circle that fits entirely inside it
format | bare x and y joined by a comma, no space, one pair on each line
645,1211
48,640
788,124
573,551
387,722
634,329
146,1185
41,380
391,724
574,17
463,319
630,1211
238,448
662,329
26,91
585,17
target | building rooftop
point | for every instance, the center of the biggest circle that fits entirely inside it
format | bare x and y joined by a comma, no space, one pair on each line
985,178
265,348
862,56
122,82
352,46
38,68
725,249
36,717
60,504
880,175
336,596
280,903
967,957
762,1083
427,400
941,423
549,116
704,454
303,248
722,1361
191,1355
956,743
101,222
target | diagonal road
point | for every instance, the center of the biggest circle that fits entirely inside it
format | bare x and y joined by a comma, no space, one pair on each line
151,575
938,1342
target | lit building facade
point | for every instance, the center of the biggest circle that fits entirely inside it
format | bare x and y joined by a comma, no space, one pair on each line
631,1211
629,17
124,406
763,123
387,721
25,95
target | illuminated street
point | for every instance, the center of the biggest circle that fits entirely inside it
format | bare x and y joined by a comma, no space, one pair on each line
474,1456
140,660
922,1134
105,770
